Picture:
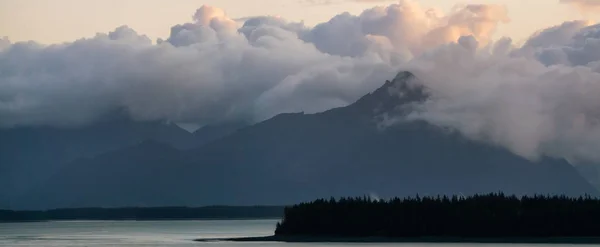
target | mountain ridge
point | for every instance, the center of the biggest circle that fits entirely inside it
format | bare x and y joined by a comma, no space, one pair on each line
297,157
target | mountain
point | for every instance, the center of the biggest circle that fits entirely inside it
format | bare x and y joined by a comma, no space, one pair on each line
30,155
209,133
591,172
296,157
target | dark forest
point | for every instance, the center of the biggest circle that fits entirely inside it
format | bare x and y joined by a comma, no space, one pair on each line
479,216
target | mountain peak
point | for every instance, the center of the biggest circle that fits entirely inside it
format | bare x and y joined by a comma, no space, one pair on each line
402,90
401,78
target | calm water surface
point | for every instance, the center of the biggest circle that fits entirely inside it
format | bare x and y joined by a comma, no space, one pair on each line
161,233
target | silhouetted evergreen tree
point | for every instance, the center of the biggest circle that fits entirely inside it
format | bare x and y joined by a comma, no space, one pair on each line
480,216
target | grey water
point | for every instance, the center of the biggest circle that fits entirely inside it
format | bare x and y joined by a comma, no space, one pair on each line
163,233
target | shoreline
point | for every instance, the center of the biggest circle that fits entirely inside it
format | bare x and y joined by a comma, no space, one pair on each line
134,219
313,239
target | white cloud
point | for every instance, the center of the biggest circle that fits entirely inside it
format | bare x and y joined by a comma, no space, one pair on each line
216,69
539,99
516,101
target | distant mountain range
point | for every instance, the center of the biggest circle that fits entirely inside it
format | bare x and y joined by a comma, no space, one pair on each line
287,159
31,156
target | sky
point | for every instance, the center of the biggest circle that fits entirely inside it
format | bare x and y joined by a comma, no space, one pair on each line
70,63
54,21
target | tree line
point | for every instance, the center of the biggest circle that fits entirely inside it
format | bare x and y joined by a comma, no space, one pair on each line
480,216
140,213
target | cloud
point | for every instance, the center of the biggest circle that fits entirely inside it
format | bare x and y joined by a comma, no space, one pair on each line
538,99
557,35
531,105
405,28
573,43
4,43
216,69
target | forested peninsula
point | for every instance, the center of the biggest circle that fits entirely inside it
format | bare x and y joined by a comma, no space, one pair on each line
495,218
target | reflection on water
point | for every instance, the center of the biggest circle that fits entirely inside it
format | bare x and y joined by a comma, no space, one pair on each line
159,233
127,233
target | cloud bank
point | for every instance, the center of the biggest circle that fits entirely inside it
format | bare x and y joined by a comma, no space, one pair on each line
538,99
216,69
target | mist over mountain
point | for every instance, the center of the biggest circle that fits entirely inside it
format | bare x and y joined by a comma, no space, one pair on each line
292,112
294,157
536,99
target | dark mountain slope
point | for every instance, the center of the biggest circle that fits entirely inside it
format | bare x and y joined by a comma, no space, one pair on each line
210,133
30,155
295,157
342,152
145,173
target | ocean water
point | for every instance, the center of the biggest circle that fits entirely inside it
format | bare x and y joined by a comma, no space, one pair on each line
162,233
